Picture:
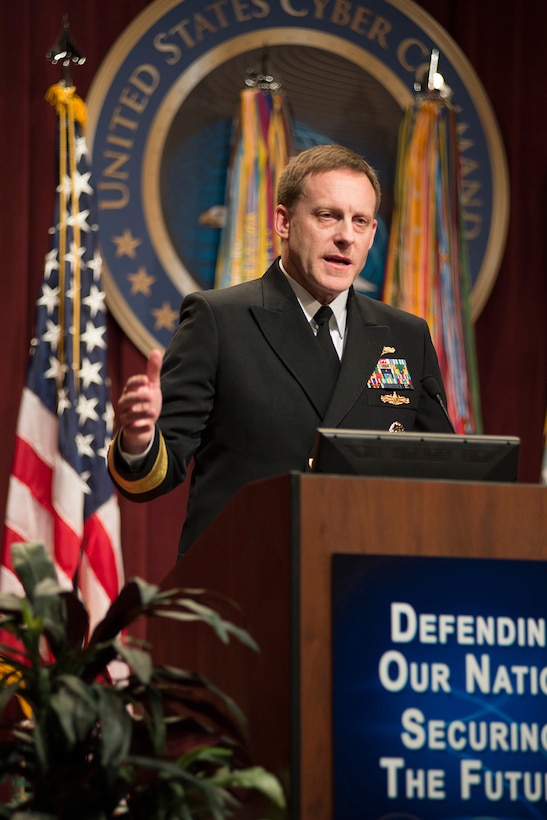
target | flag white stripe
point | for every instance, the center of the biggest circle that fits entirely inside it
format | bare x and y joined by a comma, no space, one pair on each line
37,426
26,516
67,495
96,599
9,582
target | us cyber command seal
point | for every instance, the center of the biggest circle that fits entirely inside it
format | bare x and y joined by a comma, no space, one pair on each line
160,119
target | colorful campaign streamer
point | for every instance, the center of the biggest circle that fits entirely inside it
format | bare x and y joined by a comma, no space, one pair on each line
262,139
427,269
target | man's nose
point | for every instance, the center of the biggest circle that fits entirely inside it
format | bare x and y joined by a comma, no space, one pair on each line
344,231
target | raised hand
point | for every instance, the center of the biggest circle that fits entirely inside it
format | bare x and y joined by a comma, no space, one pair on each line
139,406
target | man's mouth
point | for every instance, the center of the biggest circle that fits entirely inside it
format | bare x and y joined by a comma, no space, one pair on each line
337,260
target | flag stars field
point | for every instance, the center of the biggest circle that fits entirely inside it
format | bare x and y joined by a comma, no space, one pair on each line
93,337
49,298
95,301
86,409
90,373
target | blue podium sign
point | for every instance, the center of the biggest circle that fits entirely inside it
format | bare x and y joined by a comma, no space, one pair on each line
439,688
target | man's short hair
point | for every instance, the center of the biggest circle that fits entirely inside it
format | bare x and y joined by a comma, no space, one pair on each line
318,160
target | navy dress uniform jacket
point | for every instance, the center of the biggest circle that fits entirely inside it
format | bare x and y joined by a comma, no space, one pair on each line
244,389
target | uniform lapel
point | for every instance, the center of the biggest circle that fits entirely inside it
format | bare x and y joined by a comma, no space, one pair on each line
364,343
287,331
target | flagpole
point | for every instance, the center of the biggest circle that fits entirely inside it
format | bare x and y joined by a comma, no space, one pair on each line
65,51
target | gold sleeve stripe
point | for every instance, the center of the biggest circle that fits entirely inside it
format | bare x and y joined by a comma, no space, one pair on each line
152,480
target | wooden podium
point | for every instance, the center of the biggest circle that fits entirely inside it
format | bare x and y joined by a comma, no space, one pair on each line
270,551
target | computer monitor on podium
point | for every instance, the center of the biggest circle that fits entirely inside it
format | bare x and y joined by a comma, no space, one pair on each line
416,455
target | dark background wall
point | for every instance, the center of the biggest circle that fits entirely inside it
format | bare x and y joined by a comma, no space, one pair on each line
501,41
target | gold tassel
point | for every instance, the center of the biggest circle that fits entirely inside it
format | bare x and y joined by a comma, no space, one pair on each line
60,97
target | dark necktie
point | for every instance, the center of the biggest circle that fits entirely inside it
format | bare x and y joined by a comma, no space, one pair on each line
322,317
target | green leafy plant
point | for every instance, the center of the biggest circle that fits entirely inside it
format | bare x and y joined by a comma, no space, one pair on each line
160,743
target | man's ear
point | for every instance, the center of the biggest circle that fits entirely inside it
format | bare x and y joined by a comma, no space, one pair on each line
281,221
374,227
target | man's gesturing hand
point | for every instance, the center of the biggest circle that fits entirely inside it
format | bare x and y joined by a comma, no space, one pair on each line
139,406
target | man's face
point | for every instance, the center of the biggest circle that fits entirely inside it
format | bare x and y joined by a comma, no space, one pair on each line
328,233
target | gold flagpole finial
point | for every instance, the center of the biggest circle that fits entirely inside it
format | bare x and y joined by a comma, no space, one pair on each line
64,50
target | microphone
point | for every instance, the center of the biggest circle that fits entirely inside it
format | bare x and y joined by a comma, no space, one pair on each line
431,387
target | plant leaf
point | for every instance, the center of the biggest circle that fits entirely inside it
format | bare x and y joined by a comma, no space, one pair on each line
10,604
50,607
139,660
77,619
75,708
215,796
180,606
31,564
131,603
253,778
117,729
156,724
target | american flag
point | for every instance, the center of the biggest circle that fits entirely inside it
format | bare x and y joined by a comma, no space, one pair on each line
60,493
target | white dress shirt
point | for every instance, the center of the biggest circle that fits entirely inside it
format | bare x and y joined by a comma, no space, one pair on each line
310,306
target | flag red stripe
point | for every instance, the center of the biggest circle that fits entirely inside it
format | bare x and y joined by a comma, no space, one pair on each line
99,553
67,546
31,471
10,537
29,468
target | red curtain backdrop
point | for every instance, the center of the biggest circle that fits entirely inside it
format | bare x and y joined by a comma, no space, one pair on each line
497,37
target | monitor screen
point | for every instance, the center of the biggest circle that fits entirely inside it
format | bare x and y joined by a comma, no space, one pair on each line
416,455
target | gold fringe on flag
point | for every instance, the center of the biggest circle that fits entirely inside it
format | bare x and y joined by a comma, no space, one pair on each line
61,97
70,109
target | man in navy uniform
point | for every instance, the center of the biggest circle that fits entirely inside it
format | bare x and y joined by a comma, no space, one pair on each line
245,381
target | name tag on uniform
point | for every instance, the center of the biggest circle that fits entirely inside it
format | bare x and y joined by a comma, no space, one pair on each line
390,373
